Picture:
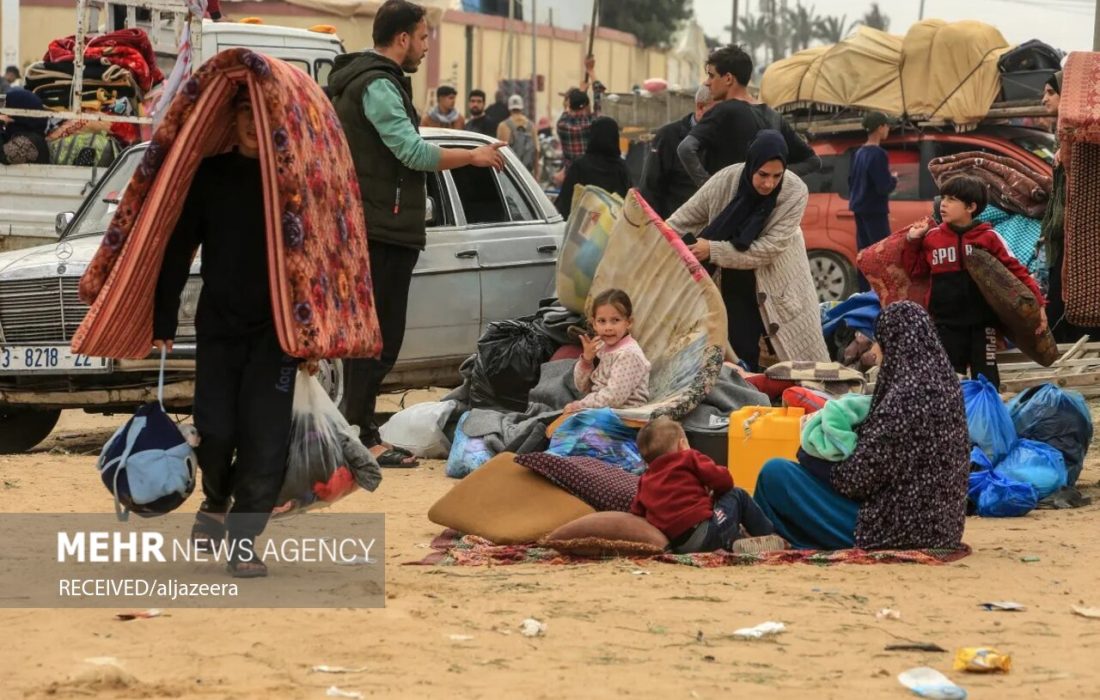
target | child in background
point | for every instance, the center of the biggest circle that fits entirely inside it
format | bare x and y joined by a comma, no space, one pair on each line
689,498
612,371
966,324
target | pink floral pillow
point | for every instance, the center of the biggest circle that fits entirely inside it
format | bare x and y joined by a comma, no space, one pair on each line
597,483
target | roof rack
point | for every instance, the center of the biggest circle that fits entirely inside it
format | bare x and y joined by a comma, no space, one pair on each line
851,120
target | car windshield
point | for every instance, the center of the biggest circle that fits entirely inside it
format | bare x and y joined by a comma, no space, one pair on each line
96,214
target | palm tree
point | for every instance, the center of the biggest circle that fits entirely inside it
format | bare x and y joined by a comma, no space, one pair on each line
875,19
832,29
753,34
801,23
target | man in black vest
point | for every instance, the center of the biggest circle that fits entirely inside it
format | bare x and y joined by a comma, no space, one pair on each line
373,99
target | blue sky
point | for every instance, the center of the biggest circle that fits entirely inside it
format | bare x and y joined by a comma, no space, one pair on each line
1065,24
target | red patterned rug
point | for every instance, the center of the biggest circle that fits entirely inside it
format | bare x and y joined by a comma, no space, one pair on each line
452,548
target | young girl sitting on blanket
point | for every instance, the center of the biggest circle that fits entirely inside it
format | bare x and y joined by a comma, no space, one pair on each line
613,370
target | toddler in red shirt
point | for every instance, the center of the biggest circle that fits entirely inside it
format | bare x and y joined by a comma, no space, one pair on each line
688,497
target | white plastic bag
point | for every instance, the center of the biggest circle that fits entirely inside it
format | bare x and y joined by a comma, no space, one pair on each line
325,460
419,429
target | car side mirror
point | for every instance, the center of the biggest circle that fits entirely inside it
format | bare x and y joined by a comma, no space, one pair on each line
62,221
429,210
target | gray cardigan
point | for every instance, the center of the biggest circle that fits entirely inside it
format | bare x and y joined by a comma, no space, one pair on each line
785,287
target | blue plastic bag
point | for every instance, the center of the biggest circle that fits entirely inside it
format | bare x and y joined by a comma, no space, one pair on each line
467,453
1034,463
979,460
598,433
987,419
1058,418
998,497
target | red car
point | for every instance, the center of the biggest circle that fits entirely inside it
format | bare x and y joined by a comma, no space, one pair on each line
828,225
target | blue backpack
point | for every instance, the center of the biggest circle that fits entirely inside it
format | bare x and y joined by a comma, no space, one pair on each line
147,464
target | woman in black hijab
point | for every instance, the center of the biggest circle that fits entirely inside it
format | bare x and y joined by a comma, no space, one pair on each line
602,165
904,487
23,138
749,220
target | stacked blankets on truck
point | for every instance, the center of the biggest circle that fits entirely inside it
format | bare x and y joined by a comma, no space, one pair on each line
1079,134
120,69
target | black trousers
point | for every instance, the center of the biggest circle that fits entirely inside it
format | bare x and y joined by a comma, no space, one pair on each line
744,325
244,391
973,347
391,269
870,229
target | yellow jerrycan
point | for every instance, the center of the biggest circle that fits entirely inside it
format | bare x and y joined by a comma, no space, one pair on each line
760,433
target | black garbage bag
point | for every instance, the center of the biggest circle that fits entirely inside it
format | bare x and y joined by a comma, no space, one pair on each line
509,355
1059,418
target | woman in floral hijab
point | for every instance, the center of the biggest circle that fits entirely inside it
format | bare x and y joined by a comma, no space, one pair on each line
904,487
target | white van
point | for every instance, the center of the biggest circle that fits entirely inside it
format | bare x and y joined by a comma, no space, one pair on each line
312,50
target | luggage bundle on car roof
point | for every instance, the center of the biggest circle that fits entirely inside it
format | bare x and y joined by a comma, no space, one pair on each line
949,72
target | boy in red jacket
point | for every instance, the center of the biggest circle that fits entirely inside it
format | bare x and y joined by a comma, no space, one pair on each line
688,497
966,324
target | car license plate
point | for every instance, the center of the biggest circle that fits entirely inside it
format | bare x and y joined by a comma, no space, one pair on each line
48,359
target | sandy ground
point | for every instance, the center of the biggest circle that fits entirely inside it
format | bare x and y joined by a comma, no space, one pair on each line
612,631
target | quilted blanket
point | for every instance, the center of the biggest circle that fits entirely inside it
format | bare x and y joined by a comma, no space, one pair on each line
679,318
320,282
1079,134
453,549
1013,186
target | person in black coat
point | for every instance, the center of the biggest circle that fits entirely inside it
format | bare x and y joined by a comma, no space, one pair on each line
602,165
666,184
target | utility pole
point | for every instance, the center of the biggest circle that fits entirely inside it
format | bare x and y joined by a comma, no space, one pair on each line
733,26
1096,29
532,108
511,40
920,15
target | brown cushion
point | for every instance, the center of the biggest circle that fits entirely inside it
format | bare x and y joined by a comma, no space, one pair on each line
506,503
597,483
609,527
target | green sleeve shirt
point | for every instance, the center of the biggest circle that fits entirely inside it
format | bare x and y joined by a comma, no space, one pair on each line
385,110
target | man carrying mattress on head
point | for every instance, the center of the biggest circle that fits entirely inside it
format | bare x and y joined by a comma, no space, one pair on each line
244,382
373,99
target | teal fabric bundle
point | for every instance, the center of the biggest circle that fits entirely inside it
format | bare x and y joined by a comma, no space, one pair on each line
830,434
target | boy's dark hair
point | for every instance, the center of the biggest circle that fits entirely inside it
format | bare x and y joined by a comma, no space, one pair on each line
578,99
12,69
732,59
968,190
659,437
395,17
445,91
614,297
477,93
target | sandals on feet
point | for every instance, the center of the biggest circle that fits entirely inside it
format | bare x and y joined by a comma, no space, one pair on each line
208,531
244,566
396,457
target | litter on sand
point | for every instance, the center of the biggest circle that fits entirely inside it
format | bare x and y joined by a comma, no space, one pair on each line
916,646
888,614
764,629
103,661
532,628
1087,612
461,637
138,615
1004,605
930,683
982,660
322,668
334,692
